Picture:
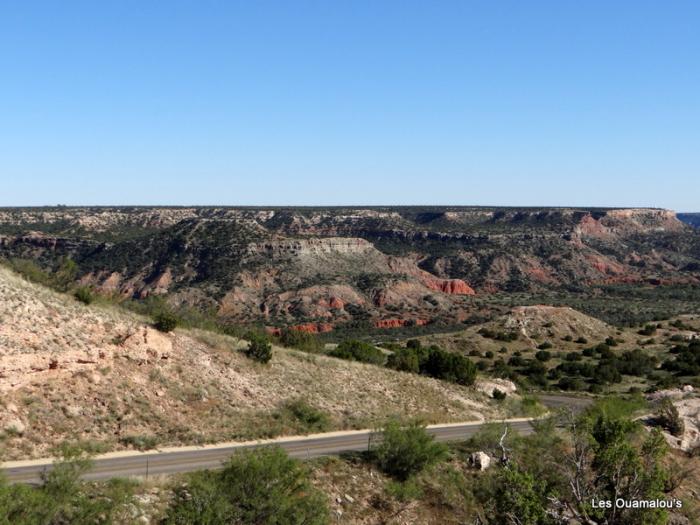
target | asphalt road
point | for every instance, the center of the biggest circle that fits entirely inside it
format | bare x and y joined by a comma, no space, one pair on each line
186,459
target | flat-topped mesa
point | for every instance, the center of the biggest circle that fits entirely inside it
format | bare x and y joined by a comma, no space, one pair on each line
300,247
628,222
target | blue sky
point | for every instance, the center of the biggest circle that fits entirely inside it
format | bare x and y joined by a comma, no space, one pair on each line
350,102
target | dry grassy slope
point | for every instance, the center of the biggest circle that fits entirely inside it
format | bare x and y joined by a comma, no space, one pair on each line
534,325
68,371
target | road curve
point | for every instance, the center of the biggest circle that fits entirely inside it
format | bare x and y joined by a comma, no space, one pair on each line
187,459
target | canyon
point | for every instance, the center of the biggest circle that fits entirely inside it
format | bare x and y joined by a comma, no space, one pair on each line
317,268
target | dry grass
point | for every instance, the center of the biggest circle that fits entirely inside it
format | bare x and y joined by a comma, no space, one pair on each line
101,375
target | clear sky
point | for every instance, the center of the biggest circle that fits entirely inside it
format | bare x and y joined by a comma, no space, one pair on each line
350,102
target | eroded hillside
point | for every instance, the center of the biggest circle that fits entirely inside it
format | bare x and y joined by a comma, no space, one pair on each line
384,267
100,375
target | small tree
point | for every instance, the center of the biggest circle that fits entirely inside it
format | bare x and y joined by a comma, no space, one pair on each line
669,417
165,321
259,348
407,449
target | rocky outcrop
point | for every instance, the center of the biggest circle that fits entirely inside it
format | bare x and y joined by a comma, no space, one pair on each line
285,248
313,328
479,460
398,323
449,286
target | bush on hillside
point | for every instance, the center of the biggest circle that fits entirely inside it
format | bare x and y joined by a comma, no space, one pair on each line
405,360
259,348
543,355
310,418
358,351
84,295
669,418
165,321
449,366
300,340
256,486
406,449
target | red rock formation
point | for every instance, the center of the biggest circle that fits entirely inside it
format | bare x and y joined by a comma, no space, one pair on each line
313,328
336,303
309,328
449,286
398,323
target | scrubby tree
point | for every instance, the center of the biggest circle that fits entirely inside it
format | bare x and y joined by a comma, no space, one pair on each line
259,348
668,417
543,355
358,351
405,449
261,486
405,360
165,321
300,340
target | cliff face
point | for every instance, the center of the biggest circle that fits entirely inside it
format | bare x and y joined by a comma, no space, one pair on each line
327,266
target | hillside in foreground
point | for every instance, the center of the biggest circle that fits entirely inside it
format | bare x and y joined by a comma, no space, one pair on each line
103,376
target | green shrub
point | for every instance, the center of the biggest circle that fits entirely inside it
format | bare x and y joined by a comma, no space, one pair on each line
358,351
62,497
407,449
668,417
261,486
543,355
413,343
405,360
259,348
519,494
165,321
311,418
648,329
300,340
449,366
84,295
545,346
498,395
140,442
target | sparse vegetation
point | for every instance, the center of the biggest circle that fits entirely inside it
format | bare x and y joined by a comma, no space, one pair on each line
259,348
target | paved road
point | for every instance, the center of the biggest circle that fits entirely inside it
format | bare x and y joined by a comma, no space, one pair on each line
187,459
